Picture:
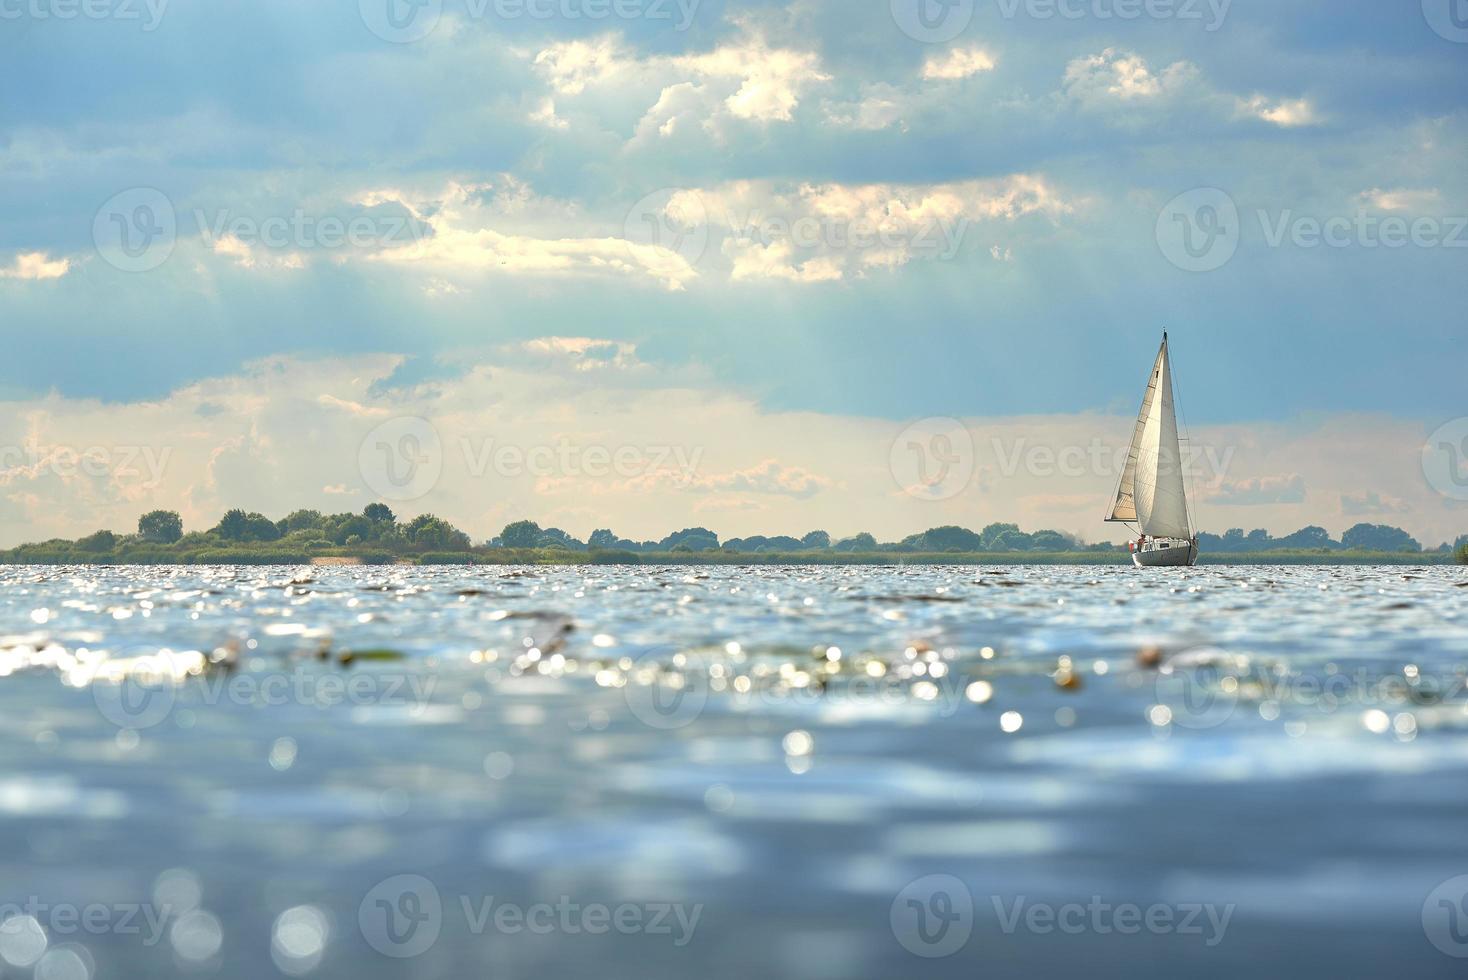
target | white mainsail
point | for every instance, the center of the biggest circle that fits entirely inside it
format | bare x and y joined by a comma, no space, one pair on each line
1151,491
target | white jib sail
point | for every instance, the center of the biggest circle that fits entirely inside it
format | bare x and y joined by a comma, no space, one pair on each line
1125,508
1161,504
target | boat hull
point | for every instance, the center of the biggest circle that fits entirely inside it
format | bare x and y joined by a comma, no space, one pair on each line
1183,554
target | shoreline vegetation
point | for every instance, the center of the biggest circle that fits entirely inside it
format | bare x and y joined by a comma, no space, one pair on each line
377,537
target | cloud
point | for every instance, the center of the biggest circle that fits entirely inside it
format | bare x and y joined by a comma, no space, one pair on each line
811,233
582,353
1122,81
641,458
883,104
35,265
1369,502
1259,490
474,232
747,80
770,81
571,66
769,476
1286,113
957,63
755,261
248,256
466,234
1415,200
829,95
1120,77
544,114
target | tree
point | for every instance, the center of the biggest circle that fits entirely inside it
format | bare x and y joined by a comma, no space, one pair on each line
160,526
857,542
1379,537
430,532
236,525
101,541
554,537
258,527
993,536
1050,541
232,525
1306,538
816,540
302,520
951,538
379,514
521,534
696,538
1011,540
355,526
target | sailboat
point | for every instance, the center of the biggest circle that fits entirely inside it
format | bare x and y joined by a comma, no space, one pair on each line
1151,493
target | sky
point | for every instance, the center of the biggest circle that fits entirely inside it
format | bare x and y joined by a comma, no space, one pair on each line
759,267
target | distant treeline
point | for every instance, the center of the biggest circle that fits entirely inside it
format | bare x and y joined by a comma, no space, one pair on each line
995,538
377,536
1362,537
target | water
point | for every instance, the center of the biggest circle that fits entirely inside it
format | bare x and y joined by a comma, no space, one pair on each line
643,772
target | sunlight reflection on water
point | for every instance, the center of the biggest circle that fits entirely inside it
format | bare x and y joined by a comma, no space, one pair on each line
787,748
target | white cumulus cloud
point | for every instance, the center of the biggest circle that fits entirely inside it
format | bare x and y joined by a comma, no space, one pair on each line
35,265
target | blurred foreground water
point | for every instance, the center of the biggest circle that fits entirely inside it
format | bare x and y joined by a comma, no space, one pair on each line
720,772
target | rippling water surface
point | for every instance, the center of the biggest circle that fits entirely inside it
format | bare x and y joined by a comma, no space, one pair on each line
673,772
